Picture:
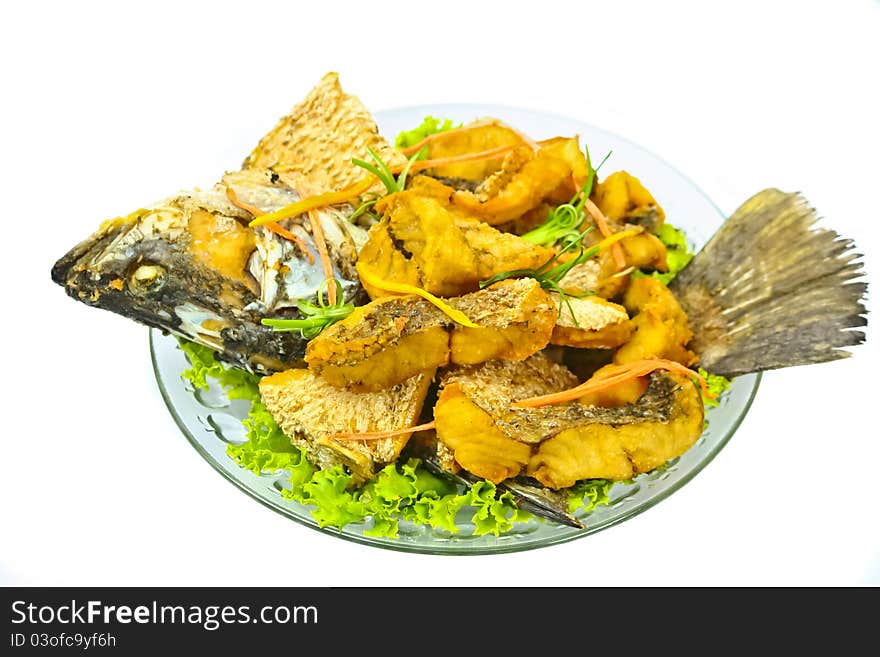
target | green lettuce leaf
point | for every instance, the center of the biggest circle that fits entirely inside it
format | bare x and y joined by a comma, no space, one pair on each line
238,383
678,254
589,494
717,384
401,491
430,126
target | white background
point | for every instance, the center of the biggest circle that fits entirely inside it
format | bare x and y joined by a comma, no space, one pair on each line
108,107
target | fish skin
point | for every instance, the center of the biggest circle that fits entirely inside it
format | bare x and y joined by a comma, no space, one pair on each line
772,289
195,300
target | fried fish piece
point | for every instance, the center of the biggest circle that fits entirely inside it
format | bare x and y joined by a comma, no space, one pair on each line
311,412
590,323
472,398
381,344
423,241
594,442
623,198
660,326
480,135
527,179
560,445
515,319
392,338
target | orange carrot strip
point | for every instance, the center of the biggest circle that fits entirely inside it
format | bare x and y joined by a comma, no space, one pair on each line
612,377
602,224
420,165
371,278
379,435
318,201
415,148
247,207
274,227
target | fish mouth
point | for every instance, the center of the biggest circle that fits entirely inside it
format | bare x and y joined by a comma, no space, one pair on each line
71,270
157,282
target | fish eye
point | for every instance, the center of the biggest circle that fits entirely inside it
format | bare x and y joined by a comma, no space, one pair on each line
146,279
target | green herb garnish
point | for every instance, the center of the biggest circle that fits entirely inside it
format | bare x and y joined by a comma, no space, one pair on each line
550,273
564,221
382,172
316,317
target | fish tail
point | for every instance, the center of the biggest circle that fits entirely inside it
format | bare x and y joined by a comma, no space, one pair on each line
771,289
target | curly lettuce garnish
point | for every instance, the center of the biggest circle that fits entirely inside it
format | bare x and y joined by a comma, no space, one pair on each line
400,492
678,254
716,384
589,494
430,126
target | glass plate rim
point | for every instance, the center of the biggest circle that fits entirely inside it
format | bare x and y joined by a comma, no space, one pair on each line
502,548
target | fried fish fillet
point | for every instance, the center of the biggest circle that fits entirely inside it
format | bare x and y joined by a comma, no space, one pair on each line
527,179
423,241
660,326
560,445
393,338
310,411
590,323
472,398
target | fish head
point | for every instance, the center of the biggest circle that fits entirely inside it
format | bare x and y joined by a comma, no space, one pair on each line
190,265
181,266
128,265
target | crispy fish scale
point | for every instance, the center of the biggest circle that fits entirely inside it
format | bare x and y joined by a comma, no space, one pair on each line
310,411
590,323
393,338
319,138
423,241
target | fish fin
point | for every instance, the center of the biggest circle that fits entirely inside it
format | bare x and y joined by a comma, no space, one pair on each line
771,289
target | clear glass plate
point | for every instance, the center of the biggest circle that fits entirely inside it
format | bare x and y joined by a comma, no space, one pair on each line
210,422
